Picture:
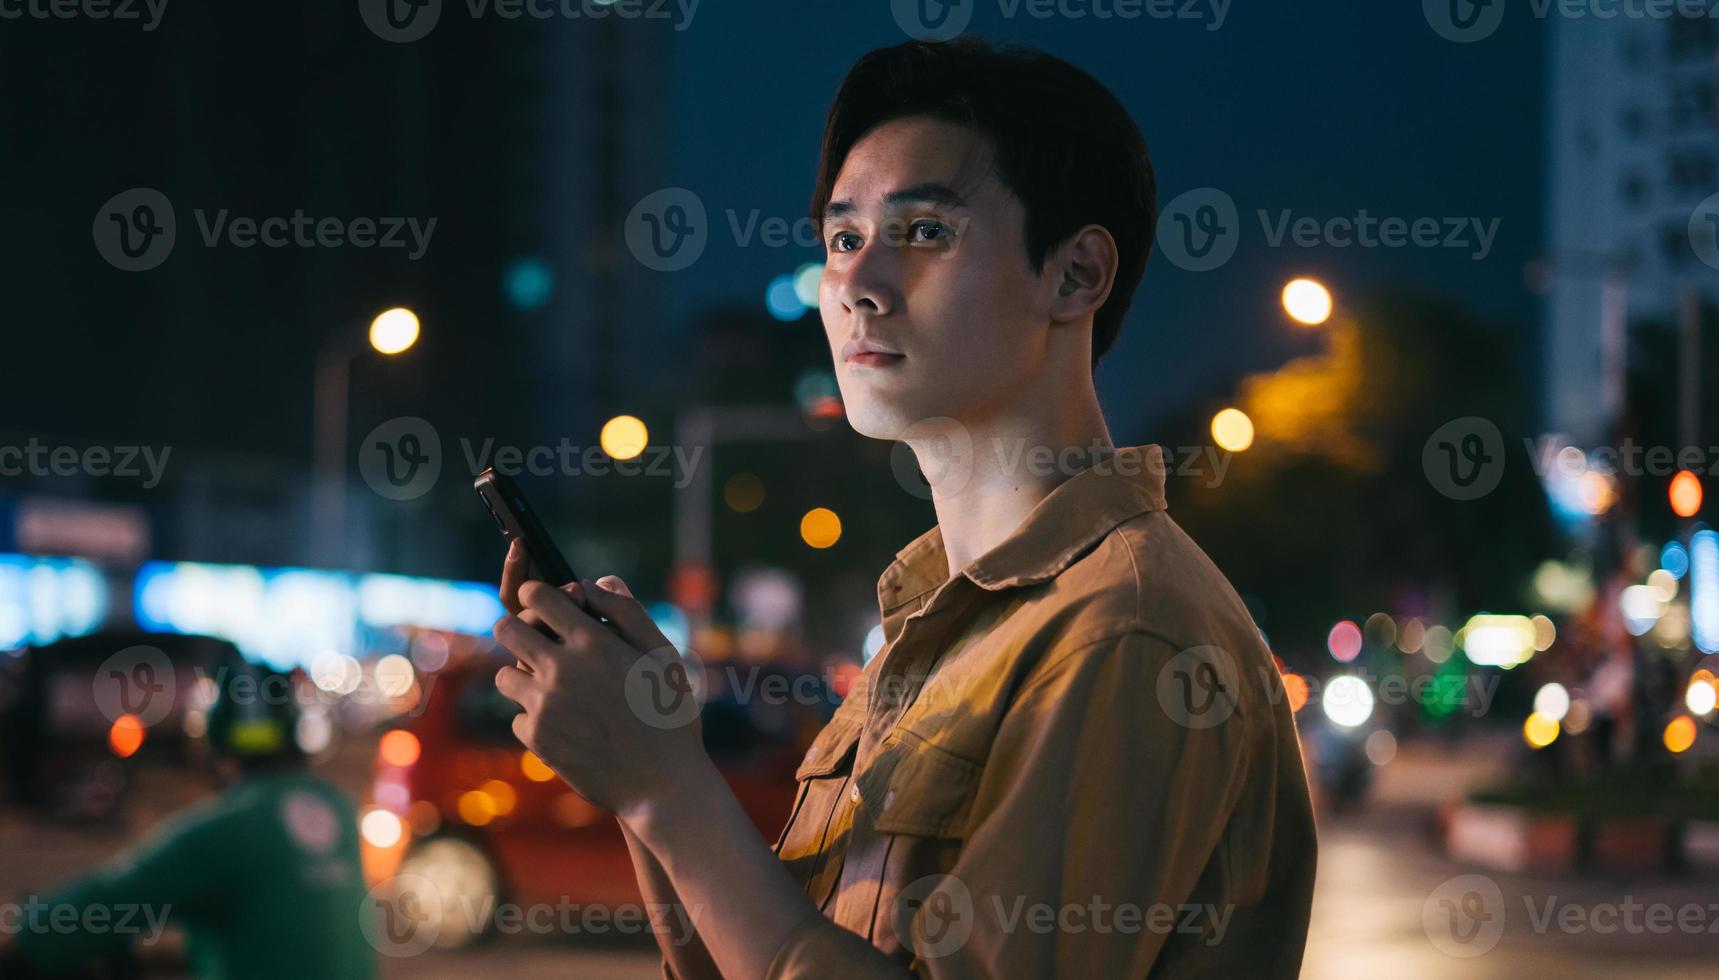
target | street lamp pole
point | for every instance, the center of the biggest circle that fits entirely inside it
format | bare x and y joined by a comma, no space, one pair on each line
391,332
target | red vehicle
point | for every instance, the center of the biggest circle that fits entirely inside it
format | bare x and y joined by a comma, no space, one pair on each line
459,803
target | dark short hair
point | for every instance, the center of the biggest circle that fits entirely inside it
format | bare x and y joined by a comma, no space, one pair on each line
1063,144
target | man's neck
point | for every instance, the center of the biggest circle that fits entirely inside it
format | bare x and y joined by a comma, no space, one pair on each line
1015,462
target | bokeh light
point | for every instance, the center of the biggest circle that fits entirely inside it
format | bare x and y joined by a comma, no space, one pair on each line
394,331
1232,430
624,437
1307,301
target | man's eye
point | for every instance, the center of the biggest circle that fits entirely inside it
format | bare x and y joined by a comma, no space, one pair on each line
927,231
843,241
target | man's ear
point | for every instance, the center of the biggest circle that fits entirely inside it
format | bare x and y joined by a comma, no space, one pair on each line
1085,269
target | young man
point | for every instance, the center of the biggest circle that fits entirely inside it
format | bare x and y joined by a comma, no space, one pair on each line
1073,757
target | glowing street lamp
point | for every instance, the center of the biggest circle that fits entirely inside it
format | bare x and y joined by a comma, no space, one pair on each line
392,331
1232,430
1307,301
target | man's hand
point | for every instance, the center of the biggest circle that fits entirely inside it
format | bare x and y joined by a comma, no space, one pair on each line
613,710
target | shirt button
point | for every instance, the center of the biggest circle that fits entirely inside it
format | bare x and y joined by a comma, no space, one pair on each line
853,793
888,799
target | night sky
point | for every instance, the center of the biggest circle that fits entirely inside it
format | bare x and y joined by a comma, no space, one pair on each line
1321,110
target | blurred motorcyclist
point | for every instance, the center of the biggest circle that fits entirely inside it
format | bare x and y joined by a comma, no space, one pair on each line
264,878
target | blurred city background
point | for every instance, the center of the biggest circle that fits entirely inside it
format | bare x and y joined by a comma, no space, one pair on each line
1436,385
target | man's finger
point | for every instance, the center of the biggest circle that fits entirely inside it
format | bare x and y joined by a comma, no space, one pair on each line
609,597
557,609
513,683
524,642
515,570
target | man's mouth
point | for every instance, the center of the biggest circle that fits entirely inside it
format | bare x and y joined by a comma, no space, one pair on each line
875,359
870,353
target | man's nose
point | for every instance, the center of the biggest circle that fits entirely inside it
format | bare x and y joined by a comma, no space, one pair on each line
868,282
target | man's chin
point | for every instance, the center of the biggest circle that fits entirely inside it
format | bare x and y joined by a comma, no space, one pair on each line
895,423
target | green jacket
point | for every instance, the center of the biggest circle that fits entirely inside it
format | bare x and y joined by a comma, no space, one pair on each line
264,880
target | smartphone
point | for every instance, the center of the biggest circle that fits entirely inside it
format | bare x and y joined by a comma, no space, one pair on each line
518,521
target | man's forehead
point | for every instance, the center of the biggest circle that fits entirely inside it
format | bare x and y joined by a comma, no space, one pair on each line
912,153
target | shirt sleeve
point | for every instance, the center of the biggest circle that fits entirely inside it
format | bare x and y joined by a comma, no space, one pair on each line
1100,808
174,873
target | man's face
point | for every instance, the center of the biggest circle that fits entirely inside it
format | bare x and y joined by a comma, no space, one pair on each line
925,259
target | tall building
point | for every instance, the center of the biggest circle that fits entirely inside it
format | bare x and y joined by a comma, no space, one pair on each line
1633,154
598,339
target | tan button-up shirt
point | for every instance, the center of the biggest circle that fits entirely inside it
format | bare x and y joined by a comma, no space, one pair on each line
1073,759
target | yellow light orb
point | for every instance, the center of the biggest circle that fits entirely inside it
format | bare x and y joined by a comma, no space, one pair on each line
1680,734
624,437
535,769
395,330
1232,430
1539,730
820,528
1307,301
501,795
476,807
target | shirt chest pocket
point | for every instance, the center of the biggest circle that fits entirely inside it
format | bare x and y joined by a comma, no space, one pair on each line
917,788
818,825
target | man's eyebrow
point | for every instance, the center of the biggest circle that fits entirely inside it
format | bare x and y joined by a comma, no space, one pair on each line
927,193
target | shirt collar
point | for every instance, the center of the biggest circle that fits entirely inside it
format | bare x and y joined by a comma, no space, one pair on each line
1059,529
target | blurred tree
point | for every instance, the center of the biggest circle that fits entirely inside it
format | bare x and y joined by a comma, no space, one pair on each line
1330,513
